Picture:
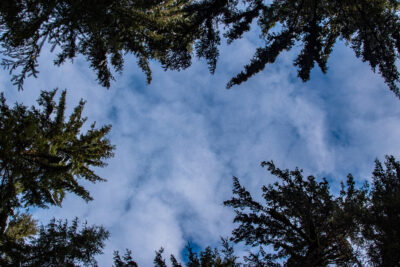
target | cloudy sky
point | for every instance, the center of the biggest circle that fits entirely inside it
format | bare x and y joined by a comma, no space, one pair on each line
181,139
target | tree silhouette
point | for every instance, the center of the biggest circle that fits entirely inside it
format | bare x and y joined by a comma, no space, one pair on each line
102,31
169,31
381,218
125,261
205,258
370,27
301,223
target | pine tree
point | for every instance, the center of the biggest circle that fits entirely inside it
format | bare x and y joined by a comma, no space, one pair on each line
57,244
102,31
301,223
205,258
125,261
159,260
42,157
370,27
381,219
169,30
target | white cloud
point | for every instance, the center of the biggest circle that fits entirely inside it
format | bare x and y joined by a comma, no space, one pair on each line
181,139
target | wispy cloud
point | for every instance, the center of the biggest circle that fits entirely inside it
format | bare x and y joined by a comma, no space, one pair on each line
182,138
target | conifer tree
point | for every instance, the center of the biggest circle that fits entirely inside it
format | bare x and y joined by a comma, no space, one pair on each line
301,223
42,157
205,258
381,218
102,31
370,27
56,244
168,30
125,261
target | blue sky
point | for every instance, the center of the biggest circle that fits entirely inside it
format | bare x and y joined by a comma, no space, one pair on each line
181,139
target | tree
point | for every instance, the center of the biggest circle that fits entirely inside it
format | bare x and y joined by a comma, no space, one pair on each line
301,223
370,27
206,258
42,157
102,31
56,244
168,30
126,261
381,219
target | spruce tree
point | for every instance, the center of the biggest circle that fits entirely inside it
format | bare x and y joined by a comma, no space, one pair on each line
205,258
381,218
102,31
300,224
169,31
125,261
370,27
56,244
42,157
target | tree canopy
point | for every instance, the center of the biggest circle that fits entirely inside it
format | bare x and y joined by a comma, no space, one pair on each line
43,156
169,31
102,31
370,27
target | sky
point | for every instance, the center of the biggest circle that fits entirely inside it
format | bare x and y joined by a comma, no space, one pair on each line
181,139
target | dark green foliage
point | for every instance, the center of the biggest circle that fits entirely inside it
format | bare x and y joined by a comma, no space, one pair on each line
158,260
20,227
206,258
301,221
43,156
370,27
381,221
126,261
260,259
102,31
57,244
166,31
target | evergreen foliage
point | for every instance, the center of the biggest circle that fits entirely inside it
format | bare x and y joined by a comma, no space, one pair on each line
42,157
206,258
125,261
370,27
301,223
56,244
381,219
168,30
102,31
